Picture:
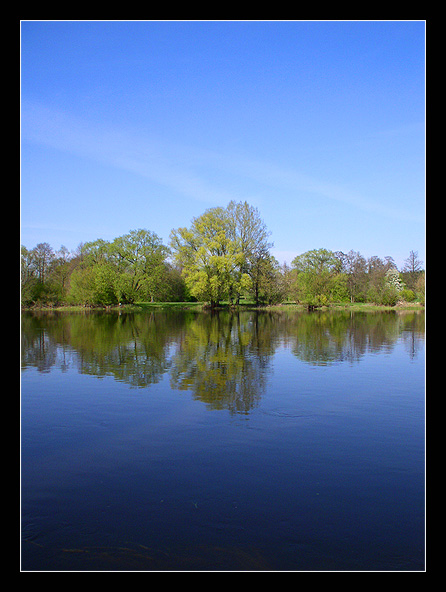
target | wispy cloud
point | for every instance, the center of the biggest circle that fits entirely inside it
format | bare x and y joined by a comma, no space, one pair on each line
125,150
189,171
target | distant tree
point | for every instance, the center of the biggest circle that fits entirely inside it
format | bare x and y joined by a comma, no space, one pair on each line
43,256
28,276
130,267
315,270
286,281
376,278
139,257
251,237
27,264
393,279
420,287
172,288
316,261
61,269
82,286
412,269
268,287
223,255
354,265
39,281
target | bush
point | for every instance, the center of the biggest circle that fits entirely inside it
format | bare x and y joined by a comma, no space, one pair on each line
407,295
390,296
420,289
40,294
81,286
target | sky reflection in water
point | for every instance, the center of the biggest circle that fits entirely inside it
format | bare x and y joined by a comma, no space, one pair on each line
251,441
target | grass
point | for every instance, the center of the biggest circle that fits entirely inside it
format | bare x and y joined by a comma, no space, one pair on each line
288,306
370,307
244,305
164,306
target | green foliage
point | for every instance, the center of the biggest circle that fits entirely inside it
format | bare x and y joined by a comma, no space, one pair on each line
223,256
316,261
338,288
323,276
420,288
412,270
389,296
130,267
104,285
81,287
407,295
318,282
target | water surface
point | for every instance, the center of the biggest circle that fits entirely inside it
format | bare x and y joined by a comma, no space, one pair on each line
199,441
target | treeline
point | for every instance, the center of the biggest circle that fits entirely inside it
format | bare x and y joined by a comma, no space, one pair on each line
224,256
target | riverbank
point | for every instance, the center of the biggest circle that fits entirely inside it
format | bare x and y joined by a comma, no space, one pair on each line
200,306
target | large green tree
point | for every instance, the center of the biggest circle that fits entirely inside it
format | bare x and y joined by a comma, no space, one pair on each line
317,276
209,256
224,253
129,267
140,257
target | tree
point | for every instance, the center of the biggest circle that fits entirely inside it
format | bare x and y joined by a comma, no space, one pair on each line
43,256
377,286
209,257
316,270
272,288
82,286
393,280
28,277
172,288
286,279
224,253
412,269
60,270
316,261
40,281
420,287
354,266
251,237
135,261
393,287
139,257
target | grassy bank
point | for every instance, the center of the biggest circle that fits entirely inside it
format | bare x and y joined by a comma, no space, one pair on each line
245,305
292,306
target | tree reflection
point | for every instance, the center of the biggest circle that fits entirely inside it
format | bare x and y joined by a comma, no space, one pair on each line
325,338
131,348
223,358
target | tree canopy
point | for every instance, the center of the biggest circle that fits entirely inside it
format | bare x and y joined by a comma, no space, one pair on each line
224,255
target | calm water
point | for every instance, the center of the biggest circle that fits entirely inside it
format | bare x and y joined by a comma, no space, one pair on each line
191,441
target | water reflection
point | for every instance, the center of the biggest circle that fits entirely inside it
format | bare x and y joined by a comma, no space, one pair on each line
222,358
328,338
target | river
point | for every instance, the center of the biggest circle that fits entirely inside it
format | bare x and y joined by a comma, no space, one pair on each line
199,441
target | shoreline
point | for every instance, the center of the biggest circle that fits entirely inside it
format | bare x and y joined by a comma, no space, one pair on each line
203,306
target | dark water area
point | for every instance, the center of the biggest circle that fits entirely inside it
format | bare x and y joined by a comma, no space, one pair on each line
257,441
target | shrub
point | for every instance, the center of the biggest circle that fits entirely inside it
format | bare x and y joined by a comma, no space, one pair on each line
407,295
390,296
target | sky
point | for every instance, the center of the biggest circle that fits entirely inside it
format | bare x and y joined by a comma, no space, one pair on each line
146,124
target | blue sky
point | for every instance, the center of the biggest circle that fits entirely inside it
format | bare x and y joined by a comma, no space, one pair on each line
146,124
